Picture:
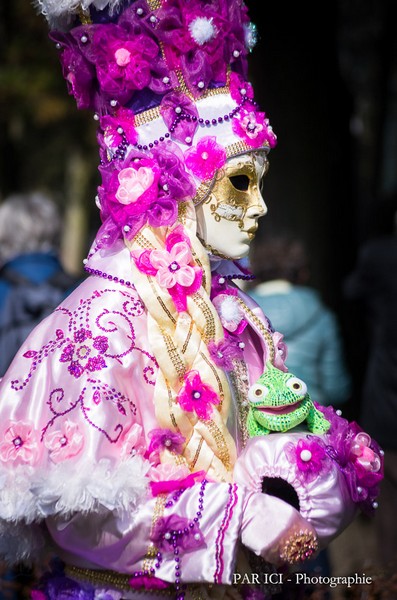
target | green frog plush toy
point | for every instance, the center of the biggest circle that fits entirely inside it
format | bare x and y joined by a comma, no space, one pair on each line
279,401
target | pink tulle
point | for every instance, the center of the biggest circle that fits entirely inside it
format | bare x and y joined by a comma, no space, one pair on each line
196,396
206,158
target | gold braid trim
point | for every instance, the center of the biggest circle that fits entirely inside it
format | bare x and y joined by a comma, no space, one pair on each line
178,342
260,325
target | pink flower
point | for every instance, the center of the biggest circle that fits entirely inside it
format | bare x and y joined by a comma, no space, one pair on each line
64,443
238,86
310,457
206,158
19,443
196,396
253,128
173,266
133,184
133,442
281,351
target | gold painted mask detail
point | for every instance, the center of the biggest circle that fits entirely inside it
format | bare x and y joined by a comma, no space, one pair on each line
236,190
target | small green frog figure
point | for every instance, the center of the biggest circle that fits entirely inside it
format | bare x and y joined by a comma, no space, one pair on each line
280,401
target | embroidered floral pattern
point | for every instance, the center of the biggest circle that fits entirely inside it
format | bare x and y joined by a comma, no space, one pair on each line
85,353
19,443
196,396
64,443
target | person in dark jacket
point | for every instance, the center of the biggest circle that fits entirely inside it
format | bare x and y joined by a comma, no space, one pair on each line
311,330
372,291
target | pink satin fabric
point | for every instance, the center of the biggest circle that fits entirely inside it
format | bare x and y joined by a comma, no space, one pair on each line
78,400
324,502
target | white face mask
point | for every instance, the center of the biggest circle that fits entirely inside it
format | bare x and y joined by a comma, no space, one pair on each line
228,219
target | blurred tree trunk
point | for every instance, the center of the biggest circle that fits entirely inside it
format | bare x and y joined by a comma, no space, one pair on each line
75,227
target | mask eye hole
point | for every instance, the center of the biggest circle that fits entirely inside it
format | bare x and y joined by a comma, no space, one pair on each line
257,392
240,182
297,386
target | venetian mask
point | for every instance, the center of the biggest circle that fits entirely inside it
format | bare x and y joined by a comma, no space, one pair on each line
228,219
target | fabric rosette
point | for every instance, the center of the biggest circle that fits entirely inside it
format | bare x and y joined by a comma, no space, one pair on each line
197,396
173,267
193,37
254,128
143,189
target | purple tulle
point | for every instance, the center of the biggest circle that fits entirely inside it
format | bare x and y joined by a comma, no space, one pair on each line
363,484
189,537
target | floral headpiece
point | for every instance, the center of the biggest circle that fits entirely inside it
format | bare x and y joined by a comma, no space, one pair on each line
167,81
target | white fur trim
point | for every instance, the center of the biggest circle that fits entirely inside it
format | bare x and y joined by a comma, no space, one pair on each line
230,310
59,13
75,487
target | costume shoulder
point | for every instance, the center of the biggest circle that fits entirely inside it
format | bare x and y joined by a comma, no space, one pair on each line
70,416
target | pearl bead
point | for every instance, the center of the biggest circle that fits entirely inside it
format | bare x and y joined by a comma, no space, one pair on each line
241,345
153,19
167,536
126,228
222,280
197,536
306,455
166,79
375,505
139,11
243,91
338,412
167,443
96,117
196,395
113,103
236,53
85,261
120,130
178,110
200,85
188,140
359,489
204,155
165,187
84,39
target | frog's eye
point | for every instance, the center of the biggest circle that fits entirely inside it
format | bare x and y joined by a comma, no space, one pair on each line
297,386
257,392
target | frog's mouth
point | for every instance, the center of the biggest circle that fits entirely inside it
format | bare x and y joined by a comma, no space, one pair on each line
284,409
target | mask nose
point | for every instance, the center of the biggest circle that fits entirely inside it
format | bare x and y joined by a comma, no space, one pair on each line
257,209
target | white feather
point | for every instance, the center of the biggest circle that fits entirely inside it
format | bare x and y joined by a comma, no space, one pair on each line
202,30
59,13
230,310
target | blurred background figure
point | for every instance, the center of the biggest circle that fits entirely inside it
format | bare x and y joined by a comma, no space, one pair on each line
32,279
372,291
311,330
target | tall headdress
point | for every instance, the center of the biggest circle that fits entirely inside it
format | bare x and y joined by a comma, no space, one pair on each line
167,81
